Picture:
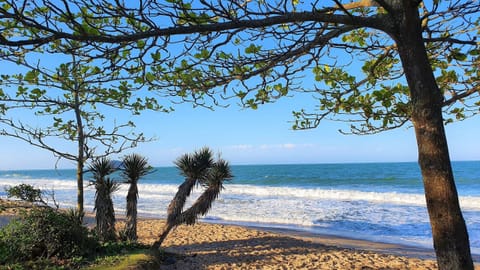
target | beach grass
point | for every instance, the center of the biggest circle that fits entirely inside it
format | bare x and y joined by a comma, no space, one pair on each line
136,260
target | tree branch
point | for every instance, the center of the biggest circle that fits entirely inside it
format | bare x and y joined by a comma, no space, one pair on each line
472,42
457,97
286,18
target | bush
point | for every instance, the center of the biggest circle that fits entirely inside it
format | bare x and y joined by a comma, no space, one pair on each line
26,193
45,233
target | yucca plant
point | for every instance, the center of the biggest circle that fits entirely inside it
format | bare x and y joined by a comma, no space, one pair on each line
193,167
213,184
104,189
134,167
198,168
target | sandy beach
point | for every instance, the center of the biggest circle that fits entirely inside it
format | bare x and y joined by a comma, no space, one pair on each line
217,246
220,246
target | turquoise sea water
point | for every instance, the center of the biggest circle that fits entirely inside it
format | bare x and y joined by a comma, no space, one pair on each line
372,201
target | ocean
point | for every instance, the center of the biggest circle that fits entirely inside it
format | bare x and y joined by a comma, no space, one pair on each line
373,201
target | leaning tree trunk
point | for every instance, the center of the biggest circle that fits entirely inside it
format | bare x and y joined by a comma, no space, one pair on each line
175,209
176,205
163,235
200,207
450,236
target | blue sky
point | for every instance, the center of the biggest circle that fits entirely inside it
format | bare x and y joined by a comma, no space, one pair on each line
263,136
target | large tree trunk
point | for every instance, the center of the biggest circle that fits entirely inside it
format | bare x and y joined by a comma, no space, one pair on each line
450,237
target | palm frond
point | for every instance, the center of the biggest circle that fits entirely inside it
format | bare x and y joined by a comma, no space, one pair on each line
198,168
195,165
134,167
184,163
101,167
219,173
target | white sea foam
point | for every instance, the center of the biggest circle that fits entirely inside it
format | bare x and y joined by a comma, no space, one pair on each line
46,184
17,176
467,202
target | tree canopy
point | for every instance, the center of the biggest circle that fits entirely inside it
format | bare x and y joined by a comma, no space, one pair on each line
259,51
71,98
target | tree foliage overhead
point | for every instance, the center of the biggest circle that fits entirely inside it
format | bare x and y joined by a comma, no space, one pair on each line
260,51
72,98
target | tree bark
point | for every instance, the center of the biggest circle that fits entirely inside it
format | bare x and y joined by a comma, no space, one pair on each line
131,219
450,236
80,153
176,205
80,186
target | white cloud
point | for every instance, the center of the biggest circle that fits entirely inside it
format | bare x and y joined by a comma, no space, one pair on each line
289,145
241,147
250,147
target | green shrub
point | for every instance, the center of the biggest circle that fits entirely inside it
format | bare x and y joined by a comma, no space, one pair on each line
45,233
26,193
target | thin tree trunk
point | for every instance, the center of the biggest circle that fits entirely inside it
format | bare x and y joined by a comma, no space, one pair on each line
131,222
105,215
80,154
450,236
80,186
176,205
162,237
111,219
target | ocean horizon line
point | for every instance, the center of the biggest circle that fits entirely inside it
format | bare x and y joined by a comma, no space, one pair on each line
253,164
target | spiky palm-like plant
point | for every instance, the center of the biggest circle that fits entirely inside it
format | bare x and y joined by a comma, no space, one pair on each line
104,188
213,184
134,167
193,167
211,177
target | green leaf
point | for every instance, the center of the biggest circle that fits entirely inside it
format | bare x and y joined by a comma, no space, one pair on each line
150,77
156,56
141,44
241,95
203,54
253,49
31,76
